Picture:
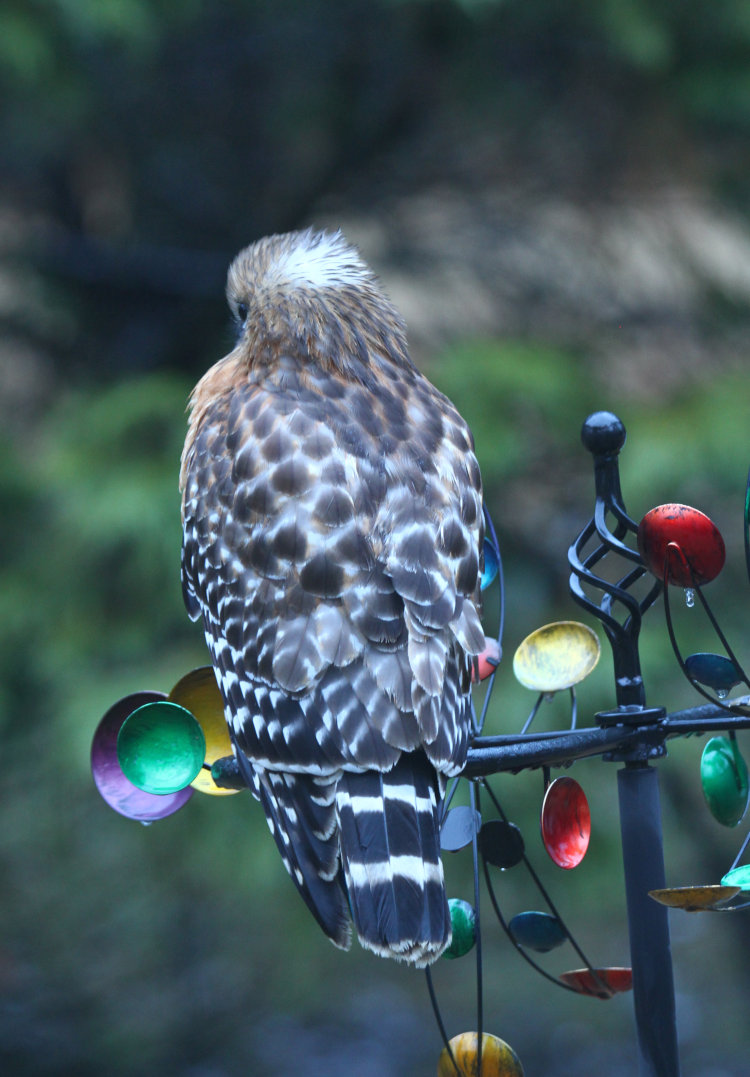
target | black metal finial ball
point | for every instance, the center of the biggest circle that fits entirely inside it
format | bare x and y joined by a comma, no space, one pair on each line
603,434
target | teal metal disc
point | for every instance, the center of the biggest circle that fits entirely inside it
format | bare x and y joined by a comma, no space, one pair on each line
491,565
738,877
538,931
714,671
161,747
464,925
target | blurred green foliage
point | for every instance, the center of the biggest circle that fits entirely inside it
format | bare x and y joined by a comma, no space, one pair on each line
136,118
528,394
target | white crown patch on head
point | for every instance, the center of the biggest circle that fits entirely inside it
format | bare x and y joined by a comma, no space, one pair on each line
320,260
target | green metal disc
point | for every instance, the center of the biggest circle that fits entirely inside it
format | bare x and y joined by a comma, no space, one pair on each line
738,877
161,747
724,780
464,924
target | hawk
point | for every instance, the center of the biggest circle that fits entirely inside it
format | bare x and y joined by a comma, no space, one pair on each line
332,537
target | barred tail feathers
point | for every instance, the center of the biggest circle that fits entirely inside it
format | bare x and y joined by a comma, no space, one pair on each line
390,851
301,817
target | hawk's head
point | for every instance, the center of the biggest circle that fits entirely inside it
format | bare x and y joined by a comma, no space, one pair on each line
309,295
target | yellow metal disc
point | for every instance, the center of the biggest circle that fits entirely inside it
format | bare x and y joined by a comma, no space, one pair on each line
556,656
498,1058
694,898
199,693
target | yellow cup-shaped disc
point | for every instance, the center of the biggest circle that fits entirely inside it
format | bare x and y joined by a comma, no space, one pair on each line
498,1058
199,693
556,656
694,898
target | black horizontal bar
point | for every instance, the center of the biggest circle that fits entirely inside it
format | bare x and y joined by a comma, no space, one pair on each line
517,753
491,755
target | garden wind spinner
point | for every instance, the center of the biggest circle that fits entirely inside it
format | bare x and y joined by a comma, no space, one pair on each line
152,750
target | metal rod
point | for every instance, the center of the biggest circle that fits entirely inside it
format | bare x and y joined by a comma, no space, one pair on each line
651,959
474,803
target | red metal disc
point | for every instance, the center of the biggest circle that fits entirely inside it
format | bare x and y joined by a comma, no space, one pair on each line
684,537
606,983
487,662
566,822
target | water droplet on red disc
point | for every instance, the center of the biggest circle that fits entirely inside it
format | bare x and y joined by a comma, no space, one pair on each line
686,539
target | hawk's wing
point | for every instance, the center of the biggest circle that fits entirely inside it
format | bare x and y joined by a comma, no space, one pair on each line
331,538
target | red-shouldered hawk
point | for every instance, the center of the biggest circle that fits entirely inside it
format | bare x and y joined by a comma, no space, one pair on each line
332,516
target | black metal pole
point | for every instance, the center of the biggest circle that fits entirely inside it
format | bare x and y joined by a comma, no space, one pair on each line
650,954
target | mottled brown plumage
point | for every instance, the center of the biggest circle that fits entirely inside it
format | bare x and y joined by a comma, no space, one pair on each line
332,534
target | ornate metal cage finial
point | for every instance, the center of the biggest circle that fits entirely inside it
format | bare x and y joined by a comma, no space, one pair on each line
619,610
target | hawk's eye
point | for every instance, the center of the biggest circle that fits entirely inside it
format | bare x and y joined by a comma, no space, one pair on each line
242,312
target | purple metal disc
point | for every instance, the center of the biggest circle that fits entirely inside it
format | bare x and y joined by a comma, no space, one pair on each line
114,787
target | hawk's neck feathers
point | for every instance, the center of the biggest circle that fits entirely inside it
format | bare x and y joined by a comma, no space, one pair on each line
304,301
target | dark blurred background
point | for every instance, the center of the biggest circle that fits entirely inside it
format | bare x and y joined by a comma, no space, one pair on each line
556,196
